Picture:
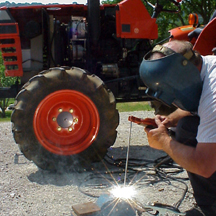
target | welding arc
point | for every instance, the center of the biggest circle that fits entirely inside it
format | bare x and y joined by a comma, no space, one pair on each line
105,179
159,166
160,173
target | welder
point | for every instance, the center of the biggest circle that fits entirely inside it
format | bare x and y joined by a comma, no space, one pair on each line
177,75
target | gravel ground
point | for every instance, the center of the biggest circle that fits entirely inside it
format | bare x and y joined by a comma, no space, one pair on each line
27,190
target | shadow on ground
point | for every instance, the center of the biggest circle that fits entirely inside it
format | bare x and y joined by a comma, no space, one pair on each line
111,170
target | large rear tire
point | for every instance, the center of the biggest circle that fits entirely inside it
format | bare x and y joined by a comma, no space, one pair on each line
64,119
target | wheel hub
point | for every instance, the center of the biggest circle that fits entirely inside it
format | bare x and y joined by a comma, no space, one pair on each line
66,122
65,119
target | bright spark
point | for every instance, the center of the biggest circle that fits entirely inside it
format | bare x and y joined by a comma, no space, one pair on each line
123,192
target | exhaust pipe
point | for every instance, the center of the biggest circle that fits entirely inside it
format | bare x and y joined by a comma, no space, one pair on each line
94,21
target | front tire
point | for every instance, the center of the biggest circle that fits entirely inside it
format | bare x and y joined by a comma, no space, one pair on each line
64,119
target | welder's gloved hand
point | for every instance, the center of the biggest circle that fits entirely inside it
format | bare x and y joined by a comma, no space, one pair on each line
195,33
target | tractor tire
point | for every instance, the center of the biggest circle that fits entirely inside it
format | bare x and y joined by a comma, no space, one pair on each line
63,120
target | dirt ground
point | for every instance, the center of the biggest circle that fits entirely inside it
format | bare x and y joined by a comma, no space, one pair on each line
27,190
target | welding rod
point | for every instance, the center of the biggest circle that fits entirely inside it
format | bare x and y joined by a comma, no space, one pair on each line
126,165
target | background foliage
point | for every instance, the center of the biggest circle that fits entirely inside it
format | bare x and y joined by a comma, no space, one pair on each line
167,21
203,8
4,82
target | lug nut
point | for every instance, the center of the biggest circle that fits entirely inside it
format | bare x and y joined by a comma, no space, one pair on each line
59,128
60,110
54,118
71,110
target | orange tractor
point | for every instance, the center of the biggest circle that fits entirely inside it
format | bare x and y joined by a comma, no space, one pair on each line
75,62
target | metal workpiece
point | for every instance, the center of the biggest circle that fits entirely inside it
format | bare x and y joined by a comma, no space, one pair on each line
113,206
162,209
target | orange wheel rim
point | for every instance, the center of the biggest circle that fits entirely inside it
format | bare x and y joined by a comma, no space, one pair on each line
66,122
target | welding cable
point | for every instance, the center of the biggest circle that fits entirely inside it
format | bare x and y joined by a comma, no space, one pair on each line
163,160
133,167
102,185
163,163
168,177
146,163
165,176
122,161
136,167
173,169
111,179
167,162
108,179
107,176
148,211
130,159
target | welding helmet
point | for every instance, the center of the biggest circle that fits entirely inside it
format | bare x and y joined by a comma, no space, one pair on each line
172,79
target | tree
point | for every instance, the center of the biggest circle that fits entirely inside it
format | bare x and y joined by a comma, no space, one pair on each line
168,21
4,82
111,1
203,8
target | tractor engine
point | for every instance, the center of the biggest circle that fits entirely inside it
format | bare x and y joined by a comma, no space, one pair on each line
76,32
106,40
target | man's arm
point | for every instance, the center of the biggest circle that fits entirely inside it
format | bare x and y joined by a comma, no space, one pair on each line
172,119
200,160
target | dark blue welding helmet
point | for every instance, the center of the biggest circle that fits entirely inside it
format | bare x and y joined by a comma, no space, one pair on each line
172,79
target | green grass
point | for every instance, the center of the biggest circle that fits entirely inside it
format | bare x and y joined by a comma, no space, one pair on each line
11,101
122,107
133,106
8,113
